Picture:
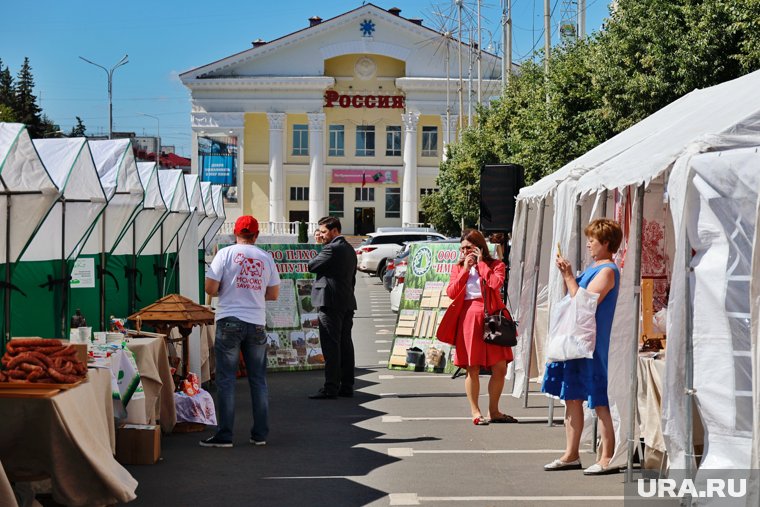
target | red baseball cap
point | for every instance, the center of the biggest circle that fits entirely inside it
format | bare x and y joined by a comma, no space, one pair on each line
245,225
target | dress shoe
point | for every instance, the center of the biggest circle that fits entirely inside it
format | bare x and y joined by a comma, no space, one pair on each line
346,393
558,464
598,469
323,395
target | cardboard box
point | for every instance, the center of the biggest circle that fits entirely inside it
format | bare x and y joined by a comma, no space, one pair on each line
138,444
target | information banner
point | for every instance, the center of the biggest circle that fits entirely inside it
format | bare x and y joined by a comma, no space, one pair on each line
292,321
423,303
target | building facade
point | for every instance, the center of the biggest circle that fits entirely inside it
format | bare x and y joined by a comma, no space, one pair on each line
347,117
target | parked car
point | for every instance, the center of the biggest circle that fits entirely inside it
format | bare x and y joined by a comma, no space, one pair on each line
373,254
391,265
398,286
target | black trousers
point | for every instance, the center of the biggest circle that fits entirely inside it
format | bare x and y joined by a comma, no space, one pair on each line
335,334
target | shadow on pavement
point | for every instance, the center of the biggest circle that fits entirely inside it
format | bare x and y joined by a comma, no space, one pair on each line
311,453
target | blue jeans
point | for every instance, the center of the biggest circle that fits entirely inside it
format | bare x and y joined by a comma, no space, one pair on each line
232,337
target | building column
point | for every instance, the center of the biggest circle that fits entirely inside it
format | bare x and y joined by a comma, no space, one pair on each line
276,171
409,197
449,131
316,166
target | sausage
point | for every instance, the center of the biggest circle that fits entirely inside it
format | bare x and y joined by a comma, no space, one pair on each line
46,380
61,377
24,357
16,374
42,357
66,351
46,350
3,377
35,375
30,367
35,342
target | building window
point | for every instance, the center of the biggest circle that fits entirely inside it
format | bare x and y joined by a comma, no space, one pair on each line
299,193
427,191
429,141
392,202
300,139
336,202
393,141
337,141
365,141
365,194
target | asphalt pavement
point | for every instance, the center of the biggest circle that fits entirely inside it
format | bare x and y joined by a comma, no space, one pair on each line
405,438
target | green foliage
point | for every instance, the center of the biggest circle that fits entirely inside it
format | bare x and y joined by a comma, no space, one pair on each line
303,232
650,53
78,130
27,110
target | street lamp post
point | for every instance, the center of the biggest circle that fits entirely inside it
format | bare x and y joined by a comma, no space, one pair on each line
158,138
109,72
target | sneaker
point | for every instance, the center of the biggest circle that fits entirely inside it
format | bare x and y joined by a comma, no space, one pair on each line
258,442
213,441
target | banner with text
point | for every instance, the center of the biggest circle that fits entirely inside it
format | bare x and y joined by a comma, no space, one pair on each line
292,321
423,303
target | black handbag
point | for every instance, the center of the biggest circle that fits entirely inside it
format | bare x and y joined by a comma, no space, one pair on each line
498,328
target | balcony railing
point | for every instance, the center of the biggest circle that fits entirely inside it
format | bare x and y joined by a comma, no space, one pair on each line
273,228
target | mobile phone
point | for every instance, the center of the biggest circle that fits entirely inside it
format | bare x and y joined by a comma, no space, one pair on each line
559,249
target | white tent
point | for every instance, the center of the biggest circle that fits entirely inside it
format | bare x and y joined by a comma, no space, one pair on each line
712,116
639,167
27,193
218,203
172,185
117,169
211,216
714,200
62,234
537,214
150,215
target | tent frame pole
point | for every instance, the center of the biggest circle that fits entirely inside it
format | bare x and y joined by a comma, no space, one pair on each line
634,379
64,270
689,390
8,290
103,272
534,296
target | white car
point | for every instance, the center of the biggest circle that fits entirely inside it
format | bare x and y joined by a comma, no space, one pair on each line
375,251
399,273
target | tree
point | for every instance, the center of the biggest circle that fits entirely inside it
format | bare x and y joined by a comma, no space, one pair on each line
27,110
7,91
78,130
6,114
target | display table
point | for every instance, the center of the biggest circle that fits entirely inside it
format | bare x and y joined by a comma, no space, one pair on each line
155,374
650,373
67,437
7,497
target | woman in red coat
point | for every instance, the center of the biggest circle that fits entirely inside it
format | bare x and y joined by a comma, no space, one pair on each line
476,273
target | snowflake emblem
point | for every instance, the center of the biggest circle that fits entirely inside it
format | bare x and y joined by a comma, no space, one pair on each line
367,27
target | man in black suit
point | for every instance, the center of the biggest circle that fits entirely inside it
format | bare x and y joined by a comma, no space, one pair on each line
333,294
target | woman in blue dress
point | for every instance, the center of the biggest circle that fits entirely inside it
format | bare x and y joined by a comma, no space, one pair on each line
582,380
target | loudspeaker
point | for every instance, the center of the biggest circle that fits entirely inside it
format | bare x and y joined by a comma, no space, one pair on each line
499,185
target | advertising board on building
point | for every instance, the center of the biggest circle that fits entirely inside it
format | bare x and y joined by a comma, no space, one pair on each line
217,160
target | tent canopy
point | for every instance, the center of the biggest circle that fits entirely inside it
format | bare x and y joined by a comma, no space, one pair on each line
150,215
211,216
26,182
119,176
218,202
172,185
71,166
730,108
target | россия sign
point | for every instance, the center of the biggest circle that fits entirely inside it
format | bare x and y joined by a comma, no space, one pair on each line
333,98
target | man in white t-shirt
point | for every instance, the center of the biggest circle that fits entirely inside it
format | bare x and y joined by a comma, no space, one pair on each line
244,277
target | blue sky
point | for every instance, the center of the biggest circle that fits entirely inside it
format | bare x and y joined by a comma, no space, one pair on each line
165,38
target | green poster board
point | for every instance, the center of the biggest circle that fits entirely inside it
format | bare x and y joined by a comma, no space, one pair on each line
292,321
423,304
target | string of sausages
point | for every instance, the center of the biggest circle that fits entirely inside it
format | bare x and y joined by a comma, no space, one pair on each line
41,361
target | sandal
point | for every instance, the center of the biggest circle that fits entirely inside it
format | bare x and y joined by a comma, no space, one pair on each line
503,419
480,421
